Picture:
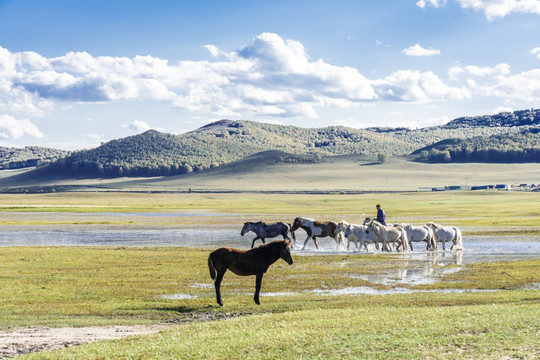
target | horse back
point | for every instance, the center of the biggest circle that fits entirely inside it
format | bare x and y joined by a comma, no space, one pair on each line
276,229
240,262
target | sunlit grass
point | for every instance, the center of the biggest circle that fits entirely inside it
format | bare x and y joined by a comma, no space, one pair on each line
76,286
472,209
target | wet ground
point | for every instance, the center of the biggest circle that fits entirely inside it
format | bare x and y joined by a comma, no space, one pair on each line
151,229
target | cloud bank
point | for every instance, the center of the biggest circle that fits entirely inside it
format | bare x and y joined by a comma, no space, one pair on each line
270,77
492,8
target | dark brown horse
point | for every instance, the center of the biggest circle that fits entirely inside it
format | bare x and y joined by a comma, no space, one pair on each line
314,229
247,262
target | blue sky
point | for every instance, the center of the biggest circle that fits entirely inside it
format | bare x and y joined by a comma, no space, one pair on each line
74,74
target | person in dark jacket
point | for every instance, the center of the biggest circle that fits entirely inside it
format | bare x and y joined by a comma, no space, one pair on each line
381,216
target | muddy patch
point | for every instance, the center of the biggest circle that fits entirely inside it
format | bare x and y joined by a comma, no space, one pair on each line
20,341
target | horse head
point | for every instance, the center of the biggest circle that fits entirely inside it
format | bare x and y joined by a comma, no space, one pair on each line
245,228
367,221
370,225
285,252
296,224
348,231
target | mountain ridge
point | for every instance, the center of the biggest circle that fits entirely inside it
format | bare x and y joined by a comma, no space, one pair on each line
154,153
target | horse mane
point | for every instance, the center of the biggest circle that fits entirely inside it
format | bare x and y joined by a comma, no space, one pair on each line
272,244
436,226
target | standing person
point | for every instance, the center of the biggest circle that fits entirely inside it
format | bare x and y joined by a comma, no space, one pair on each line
381,216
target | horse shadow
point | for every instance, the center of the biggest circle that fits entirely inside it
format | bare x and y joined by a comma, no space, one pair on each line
176,309
370,164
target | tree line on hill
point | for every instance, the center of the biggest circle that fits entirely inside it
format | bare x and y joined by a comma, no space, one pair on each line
158,154
16,158
508,148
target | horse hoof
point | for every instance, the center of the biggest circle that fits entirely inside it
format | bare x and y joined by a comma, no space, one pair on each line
220,303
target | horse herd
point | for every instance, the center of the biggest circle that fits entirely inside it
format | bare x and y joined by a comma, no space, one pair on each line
256,261
401,236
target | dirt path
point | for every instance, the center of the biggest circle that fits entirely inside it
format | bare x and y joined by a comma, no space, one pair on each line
20,341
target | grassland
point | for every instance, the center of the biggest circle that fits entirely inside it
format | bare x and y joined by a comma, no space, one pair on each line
101,286
332,175
494,211
495,315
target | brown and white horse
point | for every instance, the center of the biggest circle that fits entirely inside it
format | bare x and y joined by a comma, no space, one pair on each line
247,262
314,229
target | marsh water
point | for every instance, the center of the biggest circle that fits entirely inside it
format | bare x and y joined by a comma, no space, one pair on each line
419,266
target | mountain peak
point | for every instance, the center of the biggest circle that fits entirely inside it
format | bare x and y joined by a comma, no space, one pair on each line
215,125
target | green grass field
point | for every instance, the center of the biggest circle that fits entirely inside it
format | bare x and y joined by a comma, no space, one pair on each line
496,315
103,286
351,173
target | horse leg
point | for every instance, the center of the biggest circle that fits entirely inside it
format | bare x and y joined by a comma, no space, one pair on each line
410,245
258,282
315,241
253,243
217,285
305,242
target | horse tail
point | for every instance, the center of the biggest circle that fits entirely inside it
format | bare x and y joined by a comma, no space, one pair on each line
293,235
211,267
459,241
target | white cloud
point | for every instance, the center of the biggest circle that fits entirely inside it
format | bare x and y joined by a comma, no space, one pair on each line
137,126
522,86
417,50
12,128
96,137
416,86
500,8
536,51
434,3
503,109
499,69
492,8
271,76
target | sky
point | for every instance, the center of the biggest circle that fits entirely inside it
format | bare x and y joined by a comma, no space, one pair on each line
75,74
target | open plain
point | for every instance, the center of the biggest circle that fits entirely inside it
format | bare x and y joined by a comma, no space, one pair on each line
333,303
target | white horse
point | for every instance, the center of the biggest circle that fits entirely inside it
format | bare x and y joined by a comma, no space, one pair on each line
419,233
447,233
359,235
340,233
388,234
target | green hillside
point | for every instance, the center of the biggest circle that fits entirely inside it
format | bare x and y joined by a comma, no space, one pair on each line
504,148
158,154
16,158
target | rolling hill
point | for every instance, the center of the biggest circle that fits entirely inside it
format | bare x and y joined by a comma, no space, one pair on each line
153,153
503,148
17,158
